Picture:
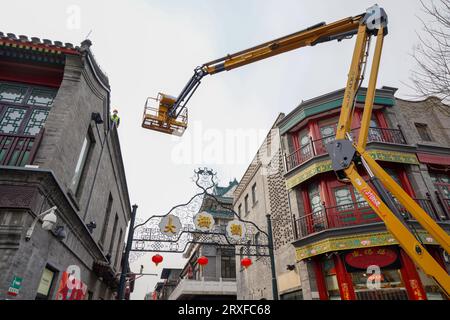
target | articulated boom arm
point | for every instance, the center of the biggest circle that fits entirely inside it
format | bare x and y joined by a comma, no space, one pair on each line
345,153
171,118
322,32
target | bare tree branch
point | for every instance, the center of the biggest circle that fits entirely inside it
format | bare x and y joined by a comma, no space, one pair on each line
432,54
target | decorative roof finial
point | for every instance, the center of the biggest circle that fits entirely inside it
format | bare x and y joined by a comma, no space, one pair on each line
85,44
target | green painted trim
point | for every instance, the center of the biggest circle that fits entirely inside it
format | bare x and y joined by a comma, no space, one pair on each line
366,240
325,165
313,110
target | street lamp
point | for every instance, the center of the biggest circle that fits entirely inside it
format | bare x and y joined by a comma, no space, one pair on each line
48,221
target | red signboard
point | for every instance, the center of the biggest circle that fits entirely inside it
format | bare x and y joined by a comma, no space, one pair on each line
362,258
71,288
433,159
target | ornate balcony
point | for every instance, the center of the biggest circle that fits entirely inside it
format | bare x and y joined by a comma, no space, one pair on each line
317,147
19,150
353,214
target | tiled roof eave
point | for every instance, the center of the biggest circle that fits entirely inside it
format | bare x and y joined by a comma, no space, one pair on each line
37,45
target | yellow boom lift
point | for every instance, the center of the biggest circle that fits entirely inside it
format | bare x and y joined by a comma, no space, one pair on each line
171,117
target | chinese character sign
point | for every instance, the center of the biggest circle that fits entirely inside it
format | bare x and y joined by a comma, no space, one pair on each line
204,221
236,230
170,225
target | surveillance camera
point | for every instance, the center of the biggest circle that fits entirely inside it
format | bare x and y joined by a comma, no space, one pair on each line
60,233
49,220
91,226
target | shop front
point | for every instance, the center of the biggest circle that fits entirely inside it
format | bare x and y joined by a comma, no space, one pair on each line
376,273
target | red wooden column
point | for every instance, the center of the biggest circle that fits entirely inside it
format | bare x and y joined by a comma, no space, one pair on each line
296,144
406,184
307,209
344,279
320,279
411,278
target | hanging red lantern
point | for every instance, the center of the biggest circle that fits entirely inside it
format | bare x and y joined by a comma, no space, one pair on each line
203,261
157,259
246,262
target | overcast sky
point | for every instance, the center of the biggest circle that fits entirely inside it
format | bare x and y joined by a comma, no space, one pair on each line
150,46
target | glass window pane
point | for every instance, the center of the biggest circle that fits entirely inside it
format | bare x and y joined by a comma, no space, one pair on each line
11,121
36,122
444,179
314,198
362,203
12,93
328,133
41,97
445,191
304,140
343,198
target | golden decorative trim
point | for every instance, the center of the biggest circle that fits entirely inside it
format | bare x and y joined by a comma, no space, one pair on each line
354,242
325,165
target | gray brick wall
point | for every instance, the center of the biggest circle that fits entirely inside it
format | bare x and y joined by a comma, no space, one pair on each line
67,125
266,170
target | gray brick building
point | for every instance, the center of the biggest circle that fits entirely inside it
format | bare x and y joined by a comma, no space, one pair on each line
262,191
58,148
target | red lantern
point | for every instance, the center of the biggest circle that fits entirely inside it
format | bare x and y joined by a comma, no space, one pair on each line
157,259
246,262
203,261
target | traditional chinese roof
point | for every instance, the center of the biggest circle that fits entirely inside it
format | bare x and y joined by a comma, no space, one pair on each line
103,269
45,50
222,191
36,44
221,214
329,101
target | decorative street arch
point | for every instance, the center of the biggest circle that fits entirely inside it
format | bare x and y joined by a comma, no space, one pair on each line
183,225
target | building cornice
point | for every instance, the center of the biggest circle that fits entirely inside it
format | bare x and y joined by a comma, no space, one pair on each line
329,101
41,175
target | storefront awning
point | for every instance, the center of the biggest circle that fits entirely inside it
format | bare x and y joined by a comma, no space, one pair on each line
434,159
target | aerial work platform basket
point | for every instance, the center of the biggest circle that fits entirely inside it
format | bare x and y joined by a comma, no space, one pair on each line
158,119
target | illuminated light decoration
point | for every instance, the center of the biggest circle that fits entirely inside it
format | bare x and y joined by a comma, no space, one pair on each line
157,259
246,262
203,261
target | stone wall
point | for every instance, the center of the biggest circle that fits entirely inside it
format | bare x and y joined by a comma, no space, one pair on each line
68,124
266,171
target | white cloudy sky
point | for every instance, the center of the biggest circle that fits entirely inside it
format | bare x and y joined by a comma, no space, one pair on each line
148,46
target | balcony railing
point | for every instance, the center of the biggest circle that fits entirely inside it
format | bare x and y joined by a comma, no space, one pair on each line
317,147
18,150
352,214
